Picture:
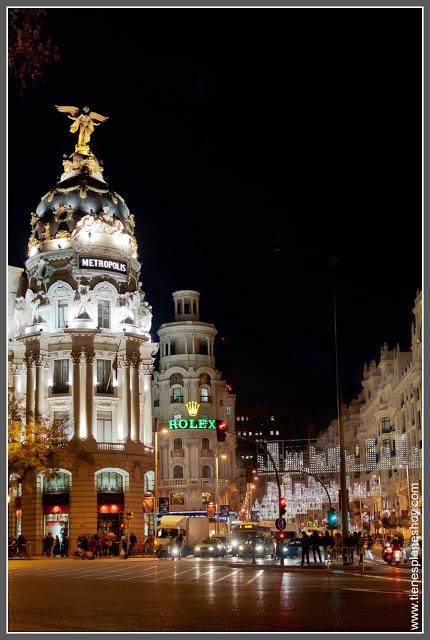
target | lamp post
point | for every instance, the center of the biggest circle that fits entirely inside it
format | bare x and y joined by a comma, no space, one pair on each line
223,456
343,489
164,430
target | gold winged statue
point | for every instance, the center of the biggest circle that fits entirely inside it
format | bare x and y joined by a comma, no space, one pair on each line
84,122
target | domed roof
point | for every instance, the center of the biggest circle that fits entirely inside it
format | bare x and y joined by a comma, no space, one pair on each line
82,190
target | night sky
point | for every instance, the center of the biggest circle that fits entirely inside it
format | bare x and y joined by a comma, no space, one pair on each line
251,146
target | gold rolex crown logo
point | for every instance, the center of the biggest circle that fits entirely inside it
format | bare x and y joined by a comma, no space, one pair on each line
193,408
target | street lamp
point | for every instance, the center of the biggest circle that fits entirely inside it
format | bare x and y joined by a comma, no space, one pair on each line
163,430
223,457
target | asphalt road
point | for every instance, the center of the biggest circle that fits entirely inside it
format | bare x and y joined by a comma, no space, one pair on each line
144,594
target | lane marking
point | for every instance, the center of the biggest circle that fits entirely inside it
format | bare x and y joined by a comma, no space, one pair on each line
140,575
255,577
372,590
187,571
228,575
367,575
202,574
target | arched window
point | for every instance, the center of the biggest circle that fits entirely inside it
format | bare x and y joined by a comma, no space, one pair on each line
109,482
205,443
206,471
177,445
178,472
177,394
149,481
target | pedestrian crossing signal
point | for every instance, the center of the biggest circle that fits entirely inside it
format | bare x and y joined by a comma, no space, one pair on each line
331,518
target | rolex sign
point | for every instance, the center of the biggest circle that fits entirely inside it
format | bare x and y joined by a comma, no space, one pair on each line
87,262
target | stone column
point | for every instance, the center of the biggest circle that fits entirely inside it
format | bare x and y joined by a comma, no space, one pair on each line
125,396
29,409
83,392
38,408
134,404
76,395
18,370
147,404
91,423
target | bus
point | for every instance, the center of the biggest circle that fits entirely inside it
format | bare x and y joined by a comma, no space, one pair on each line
251,537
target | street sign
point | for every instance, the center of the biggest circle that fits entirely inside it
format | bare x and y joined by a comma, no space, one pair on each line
280,524
163,504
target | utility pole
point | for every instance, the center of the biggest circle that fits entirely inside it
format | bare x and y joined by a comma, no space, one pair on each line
343,489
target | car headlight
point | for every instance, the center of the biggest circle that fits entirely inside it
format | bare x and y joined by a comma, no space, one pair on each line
241,547
220,546
259,547
211,548
196,548
234,543
174,551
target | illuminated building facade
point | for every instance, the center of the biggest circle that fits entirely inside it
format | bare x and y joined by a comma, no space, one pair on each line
80,352
187,373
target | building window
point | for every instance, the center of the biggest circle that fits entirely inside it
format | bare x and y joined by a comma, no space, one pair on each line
204,394
62,313
149,481
186,307
276,433
61,376
104,376
103,314
178,471
178,395
271,433
177,498
177,445
206,471
228,412
62,421
58,483
177,416
207,497
104,426
386,425
109,482
205,443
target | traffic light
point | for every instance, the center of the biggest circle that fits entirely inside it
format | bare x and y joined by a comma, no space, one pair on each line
331,518
280,535
220,430
249,474
282,506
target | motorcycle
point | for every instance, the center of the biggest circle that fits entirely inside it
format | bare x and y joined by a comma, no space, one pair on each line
392,556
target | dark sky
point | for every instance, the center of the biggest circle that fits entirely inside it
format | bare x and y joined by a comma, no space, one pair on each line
251,146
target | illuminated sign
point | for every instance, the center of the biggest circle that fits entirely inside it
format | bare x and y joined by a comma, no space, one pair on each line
192,424
193,408
85,262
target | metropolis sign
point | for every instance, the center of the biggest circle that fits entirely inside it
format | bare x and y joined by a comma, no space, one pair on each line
192,424
118,266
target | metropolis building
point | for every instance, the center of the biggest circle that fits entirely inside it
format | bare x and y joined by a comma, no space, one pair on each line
80,352
188,457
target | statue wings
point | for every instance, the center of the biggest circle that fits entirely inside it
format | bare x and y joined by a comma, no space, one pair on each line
96,116
72,110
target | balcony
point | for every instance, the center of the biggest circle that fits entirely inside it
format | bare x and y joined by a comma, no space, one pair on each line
176,399
111,446
177,453
182,482
104,389
205,399
206,453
